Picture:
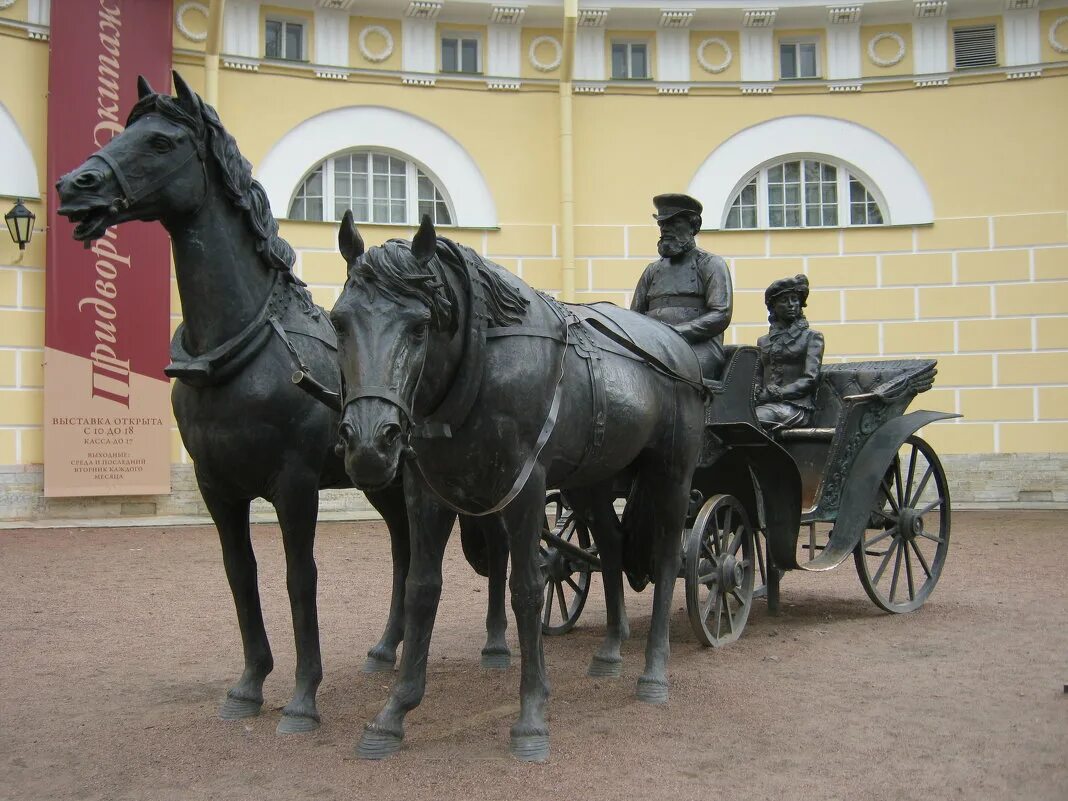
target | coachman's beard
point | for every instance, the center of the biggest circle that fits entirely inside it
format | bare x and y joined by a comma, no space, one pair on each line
669,247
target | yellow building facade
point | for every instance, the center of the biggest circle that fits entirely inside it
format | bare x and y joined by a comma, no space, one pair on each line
907,155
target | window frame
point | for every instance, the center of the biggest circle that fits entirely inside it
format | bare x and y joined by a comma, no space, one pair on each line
843,204
629,44
287,22
796,42
411,189
460,36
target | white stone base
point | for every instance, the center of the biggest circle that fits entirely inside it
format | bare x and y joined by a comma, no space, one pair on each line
976,481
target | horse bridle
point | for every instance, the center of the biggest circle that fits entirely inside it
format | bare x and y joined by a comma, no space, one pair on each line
391,395
130,194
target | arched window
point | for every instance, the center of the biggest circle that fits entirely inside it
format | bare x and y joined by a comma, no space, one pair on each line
379,188
803,193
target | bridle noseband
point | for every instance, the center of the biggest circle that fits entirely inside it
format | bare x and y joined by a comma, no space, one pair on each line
131,194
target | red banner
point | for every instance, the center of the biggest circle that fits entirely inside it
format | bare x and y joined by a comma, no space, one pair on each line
107,409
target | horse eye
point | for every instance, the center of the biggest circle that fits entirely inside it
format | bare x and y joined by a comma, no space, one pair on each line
161,143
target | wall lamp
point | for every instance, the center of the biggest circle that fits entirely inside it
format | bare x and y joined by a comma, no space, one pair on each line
20,223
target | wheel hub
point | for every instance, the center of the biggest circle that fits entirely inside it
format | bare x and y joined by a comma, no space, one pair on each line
910,524
556,565
731,573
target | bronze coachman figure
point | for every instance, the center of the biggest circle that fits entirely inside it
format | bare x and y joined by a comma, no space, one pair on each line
688,288
791,354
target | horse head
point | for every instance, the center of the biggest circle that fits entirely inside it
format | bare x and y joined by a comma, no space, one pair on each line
395,318
154,170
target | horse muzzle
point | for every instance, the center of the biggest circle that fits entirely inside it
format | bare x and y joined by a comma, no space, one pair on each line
85,200
372,436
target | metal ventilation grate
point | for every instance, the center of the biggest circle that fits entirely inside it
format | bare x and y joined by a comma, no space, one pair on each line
975,47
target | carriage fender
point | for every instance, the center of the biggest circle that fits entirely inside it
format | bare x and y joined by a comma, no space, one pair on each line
862,486
778,483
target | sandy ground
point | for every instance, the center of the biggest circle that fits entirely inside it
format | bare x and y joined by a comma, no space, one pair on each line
118,644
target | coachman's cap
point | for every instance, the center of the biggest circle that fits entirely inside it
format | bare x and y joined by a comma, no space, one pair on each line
798,284
668,206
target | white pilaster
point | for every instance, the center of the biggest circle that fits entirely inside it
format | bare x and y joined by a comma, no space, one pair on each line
930,46
331,37
758,54
1023,37
241,28
843,52
673,54
39,12
503,57
589,54
418,45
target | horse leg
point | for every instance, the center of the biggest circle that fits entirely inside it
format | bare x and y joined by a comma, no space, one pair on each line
298,510
496,654
670,496
231,516
595,508
390,504
432,524
522,521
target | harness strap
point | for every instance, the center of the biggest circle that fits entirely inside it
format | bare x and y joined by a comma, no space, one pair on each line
653,362
385,393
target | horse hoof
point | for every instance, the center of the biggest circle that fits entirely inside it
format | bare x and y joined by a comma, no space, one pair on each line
530,747
652,691
601,668
496,660
378,744
239,708
374,664
296,724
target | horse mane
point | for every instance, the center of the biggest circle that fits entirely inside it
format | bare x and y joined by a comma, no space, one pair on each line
241,188
393,270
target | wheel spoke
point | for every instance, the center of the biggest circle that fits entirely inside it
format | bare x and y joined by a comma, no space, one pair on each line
562,600
919,555
923,485
931,505
886,560
706,607
737,596
811,541
911,475
736,543
718,613
931,537
760,561
708,551
574,586
882,536
547,616
897,479
908,573
897,572
721,535
890,496
729,615
710,577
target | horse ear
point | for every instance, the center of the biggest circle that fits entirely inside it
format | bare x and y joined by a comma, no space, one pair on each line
186,97
424,241
349,240
143,87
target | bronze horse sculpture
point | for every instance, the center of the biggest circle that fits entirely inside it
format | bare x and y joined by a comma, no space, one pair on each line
486,393
248,320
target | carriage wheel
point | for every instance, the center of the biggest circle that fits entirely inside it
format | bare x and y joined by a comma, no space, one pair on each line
900,557
567,581
720,565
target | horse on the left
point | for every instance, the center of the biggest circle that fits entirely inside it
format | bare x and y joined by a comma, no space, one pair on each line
249,322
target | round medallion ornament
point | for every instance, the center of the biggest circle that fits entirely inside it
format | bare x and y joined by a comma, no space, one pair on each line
728,55
894,59
1054,42
179,20
546,66
382,54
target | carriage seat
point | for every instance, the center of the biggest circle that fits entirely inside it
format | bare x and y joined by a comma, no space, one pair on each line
882,381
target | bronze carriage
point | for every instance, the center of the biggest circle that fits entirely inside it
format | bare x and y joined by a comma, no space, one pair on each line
856,481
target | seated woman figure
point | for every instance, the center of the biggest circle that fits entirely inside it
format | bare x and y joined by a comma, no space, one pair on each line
791,354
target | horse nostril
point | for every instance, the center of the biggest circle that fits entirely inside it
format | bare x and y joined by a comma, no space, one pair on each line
88,180
347,432
389,433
